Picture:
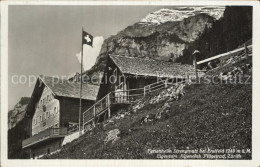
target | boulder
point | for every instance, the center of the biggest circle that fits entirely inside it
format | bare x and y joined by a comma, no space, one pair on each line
158,115
112,136
166,105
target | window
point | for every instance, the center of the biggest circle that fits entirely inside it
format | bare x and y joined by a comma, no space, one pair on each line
121,85
114,77
55,110
47,114
35,121
115,72
41,118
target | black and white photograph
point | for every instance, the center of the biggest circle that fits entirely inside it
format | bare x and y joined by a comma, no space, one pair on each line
129,81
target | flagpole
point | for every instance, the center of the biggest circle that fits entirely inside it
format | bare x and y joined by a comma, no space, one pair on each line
81,64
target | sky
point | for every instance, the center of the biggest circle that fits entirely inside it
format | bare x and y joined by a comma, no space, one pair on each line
45,40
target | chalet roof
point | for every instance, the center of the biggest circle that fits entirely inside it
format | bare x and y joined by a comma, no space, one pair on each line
67,88
62,88
150,67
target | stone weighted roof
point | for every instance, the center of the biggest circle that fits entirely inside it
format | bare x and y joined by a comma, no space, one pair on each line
70,89
150,67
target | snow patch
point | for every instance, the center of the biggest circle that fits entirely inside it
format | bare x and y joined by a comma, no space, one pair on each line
180,13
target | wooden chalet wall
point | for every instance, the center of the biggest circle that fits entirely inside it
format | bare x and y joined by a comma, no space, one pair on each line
130,81
28,126
135,83
46,147
69,109
46,113
106,86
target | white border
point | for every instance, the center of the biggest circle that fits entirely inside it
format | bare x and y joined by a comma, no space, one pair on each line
255,162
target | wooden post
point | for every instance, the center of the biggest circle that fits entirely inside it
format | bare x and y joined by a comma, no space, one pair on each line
108,111
166,81
144,91
188,78
108,101
30,152
105,115
94,112
83,122
246,51
195,65
93,122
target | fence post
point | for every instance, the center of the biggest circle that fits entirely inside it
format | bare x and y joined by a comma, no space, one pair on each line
94,111
83,119
165,83
188,78
93,122
108,101
246,51
109,112
144,91
195,63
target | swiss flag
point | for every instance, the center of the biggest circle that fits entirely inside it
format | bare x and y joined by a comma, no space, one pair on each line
87,38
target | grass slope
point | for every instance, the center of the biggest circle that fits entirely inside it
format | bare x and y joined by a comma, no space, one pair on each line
208,116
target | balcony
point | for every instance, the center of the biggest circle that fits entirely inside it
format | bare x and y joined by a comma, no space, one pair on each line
45,136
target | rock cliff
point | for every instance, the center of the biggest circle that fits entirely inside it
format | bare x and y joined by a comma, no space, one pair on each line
18,112
161,35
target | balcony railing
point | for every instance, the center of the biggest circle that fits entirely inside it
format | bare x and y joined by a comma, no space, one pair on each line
44,135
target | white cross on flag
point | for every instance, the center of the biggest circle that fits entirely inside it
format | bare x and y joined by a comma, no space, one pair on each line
87,38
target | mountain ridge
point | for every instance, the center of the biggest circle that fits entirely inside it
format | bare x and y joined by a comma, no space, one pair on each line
18,112
165,41
179,13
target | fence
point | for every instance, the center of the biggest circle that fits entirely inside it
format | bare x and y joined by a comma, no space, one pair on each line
121,97
156,86
247,52
97,108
